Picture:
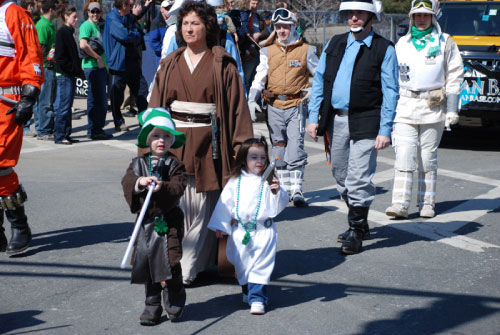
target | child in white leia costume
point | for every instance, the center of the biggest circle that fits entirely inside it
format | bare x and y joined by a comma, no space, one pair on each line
245,212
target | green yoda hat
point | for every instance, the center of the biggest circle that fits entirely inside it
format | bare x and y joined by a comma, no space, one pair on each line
158,117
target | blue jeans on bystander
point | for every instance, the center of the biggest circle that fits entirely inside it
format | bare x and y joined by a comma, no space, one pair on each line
62,107
44,111
97,100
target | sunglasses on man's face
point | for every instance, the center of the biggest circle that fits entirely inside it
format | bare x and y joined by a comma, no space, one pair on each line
95,11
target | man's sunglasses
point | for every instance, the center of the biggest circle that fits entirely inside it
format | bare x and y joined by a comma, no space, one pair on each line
95,11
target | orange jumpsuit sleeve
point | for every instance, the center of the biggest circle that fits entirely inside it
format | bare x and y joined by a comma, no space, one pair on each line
27,66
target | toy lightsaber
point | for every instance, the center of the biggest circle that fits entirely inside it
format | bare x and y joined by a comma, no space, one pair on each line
128,252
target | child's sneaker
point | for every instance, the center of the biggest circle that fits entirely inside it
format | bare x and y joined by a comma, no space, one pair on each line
245,298
257,308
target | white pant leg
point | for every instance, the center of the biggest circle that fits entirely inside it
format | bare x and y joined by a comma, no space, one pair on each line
429,138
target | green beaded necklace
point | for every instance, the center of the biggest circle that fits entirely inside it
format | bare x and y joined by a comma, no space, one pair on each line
249,226
161,226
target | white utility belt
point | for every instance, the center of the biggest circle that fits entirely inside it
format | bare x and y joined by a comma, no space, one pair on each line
416,94
10,90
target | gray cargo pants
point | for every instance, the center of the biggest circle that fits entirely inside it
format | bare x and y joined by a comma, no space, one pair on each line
284,127
353,163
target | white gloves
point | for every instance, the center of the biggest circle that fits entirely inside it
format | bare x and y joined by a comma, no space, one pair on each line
252,107
451,118
451,110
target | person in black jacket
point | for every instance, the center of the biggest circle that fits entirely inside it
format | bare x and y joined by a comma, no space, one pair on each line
68,67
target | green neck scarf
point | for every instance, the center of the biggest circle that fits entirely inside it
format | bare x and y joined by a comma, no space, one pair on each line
420,38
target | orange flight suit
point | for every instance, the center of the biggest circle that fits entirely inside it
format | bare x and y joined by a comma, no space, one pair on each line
24,66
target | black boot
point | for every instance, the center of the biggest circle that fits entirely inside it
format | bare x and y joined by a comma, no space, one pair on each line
21,233
3,238
354,240
366,229
366,233
152,312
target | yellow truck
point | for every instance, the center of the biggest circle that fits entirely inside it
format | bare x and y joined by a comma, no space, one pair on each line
475,27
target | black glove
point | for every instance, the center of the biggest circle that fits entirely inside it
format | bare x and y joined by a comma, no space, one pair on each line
24,108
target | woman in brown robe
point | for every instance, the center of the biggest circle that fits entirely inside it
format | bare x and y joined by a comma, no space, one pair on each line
195,81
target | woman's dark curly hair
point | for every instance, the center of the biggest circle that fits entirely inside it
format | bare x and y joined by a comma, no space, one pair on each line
207,15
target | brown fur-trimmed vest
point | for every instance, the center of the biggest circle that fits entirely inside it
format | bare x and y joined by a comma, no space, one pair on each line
288,72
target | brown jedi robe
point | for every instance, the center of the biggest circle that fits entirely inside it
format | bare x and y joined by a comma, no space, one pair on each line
226,91
152,264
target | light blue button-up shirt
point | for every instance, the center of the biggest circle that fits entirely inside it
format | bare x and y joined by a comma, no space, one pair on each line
341,92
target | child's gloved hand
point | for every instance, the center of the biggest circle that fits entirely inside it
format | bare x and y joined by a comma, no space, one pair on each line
146,182
274,185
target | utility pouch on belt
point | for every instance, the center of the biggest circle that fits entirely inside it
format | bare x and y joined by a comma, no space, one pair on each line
436,97
15,200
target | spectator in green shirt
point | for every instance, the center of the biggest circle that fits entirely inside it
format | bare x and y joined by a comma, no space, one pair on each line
94,67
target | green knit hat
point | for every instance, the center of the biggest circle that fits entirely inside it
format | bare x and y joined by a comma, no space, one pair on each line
158,117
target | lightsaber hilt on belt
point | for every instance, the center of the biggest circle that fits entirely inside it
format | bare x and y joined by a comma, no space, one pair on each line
215,135
128,252
303,112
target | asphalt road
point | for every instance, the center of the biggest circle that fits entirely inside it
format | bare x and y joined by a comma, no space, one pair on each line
415,276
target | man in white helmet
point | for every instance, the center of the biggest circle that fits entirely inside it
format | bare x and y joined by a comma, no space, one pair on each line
353,99
430,76
285,66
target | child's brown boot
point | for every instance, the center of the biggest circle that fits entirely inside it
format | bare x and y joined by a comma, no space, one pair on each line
152,312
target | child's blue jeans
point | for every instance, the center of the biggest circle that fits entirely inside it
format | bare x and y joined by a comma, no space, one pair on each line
255,292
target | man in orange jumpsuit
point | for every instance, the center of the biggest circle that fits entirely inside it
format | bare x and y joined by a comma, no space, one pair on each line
20,78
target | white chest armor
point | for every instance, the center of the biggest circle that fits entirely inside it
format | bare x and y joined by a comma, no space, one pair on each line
7,48
417,71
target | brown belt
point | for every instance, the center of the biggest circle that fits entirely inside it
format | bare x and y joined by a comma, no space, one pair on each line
268,96
342,112
193,118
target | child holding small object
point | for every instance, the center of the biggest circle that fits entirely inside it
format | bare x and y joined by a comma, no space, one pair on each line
156,263
251,201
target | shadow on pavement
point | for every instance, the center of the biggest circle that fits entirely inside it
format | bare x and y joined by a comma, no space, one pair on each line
305,262
76,237
18,320
444,312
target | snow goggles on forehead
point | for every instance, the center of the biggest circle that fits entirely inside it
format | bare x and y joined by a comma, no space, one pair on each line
422,3
283,14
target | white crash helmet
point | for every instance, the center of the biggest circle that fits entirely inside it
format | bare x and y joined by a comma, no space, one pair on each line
372,6
427,7
284,16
